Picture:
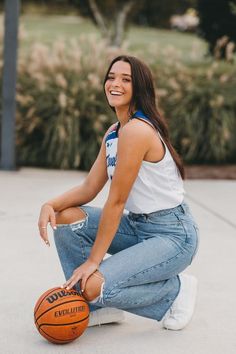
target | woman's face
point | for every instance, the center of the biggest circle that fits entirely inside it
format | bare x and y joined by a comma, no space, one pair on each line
118,86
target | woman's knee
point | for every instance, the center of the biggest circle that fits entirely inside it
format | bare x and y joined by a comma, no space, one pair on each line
93,286
70,215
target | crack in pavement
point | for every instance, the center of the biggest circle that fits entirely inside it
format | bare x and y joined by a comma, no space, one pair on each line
227,221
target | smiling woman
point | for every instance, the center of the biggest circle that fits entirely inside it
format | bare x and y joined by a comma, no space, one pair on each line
118,86
145,223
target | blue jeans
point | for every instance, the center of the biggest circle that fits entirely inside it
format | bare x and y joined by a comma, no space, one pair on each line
148,252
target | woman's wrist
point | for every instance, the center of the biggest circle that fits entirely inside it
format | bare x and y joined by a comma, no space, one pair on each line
94,262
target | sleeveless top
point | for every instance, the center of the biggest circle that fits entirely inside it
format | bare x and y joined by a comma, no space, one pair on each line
158,185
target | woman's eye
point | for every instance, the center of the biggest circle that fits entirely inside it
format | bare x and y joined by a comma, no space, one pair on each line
126,80
110,78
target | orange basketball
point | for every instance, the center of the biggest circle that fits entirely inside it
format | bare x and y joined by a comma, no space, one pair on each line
61,315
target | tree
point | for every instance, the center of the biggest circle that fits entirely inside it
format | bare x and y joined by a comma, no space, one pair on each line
110,16
218,26
148,13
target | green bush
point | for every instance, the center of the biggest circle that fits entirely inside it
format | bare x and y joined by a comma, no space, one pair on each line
62,112
201,107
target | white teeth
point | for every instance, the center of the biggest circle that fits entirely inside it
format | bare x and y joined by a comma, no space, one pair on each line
116,93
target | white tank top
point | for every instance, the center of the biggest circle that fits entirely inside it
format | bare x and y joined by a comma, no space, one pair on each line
158,185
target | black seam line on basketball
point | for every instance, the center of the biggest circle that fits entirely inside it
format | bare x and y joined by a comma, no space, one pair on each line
62,324
62,340
54,289
62,303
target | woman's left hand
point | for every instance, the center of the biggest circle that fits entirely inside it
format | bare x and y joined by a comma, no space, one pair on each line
82,273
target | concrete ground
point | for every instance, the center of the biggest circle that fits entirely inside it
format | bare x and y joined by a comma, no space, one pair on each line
28,268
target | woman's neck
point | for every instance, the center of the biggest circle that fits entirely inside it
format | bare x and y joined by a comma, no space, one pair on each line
123,116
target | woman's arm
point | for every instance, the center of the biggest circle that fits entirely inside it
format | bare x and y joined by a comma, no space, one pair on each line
134,142
76,196
88,190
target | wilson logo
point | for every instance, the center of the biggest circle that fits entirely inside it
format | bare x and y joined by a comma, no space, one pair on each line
60,294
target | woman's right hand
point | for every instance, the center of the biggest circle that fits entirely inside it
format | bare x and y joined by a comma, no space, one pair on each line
47,215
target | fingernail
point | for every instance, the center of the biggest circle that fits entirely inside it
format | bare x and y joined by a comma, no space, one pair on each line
54,227
82,291
67,288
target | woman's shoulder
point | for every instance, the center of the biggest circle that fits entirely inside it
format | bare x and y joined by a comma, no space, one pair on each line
137,134
142,133
139,127
139,116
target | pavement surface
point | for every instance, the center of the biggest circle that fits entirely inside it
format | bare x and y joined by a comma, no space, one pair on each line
28,268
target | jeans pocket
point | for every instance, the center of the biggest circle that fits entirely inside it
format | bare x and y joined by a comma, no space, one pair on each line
191,237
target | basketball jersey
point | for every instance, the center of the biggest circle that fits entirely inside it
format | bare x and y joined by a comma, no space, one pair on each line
158,185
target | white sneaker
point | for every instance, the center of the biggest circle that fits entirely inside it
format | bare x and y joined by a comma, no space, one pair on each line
105,315
181,311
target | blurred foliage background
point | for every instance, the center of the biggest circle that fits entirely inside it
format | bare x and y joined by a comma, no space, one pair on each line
64,51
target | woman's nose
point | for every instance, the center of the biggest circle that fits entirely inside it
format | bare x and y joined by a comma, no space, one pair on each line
116,82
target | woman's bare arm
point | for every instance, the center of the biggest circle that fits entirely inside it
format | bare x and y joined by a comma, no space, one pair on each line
92,185
134,142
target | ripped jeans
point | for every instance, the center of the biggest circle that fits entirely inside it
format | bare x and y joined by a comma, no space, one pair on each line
147,254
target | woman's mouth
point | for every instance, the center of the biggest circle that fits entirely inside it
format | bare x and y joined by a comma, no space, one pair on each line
116,93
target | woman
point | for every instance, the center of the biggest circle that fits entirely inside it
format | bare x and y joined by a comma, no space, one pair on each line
145,224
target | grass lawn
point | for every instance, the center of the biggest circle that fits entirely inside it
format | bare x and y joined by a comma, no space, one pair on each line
47,29
190,47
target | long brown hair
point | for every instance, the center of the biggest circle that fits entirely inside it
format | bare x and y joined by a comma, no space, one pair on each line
144,99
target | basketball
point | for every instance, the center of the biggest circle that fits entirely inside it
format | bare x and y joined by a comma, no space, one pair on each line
61,315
